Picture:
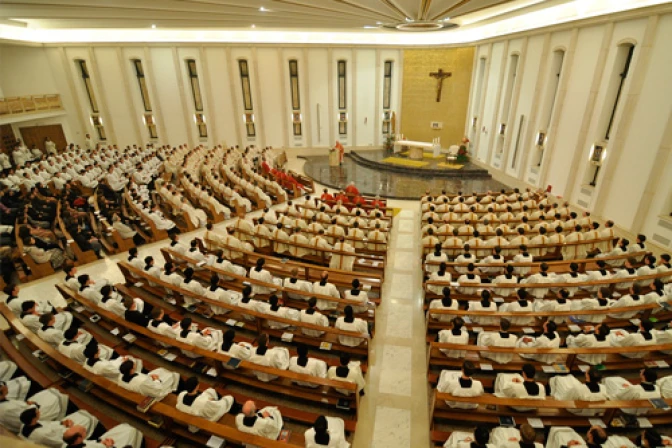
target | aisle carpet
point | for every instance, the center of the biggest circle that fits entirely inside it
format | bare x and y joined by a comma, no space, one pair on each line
404,162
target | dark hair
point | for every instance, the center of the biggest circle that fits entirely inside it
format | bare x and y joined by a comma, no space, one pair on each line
481,435
191,384
504,324
529,370
468,368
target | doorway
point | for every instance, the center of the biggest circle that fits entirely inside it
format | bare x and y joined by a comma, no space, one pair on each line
35,135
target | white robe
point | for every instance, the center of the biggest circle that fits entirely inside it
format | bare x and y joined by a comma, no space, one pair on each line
336,430
483,320
590,304
444,280
266,277
449,382
122,434
224,296
506,388
542,341
560,436
461,439
268,427
276,357
207,405
631,340
448,337
298,285
665,386
362,298
50,433
495,339
501,437
53,405
17,388
316,319
588,341
314,367
240,350
617,391
516,307
328,289
354,376
357,326
207,342
145,385
568,387
437,304
343,262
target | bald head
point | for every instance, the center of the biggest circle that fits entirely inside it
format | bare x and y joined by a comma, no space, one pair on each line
249,408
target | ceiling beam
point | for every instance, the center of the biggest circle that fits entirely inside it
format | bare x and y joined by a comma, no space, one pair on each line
461,3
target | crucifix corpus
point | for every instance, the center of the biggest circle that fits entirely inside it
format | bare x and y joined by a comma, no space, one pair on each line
440,76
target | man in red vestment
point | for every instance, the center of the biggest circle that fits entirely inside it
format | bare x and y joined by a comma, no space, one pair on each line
341,151
326,196
352,189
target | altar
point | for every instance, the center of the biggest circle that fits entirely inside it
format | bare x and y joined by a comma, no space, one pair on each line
417,149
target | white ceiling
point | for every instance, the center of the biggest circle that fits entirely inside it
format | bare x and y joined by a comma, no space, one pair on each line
234,14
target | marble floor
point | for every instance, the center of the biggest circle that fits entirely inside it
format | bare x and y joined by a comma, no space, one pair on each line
394,411
372,181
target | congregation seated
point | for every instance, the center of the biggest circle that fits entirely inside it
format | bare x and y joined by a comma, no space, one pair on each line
122,435
203,403
326,432
51,433
521,386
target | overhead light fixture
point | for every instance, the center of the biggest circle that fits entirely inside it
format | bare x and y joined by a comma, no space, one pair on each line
379,23
153,26
370,27
408,20
253,25
446,19
262,9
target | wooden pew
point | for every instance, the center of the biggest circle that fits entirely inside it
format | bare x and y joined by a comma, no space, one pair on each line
238,283
555,267
364,262
259,324
243,375
532,286
552,412
643,312
156,233
82,257
115,243
165,409
307,271
567,356
37,270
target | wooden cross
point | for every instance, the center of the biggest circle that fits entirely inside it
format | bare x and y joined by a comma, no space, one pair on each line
440,76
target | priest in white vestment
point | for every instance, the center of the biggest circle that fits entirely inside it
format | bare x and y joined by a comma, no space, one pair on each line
157,384
205,404
348,322
514,385
455,335
308,366
50,433
460,384
266,422
349,371
568,387
276,357
327,432
619,388
501,338
122,435
340,261
53,406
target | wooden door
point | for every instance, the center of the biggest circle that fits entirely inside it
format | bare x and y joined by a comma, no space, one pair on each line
35,135
7,139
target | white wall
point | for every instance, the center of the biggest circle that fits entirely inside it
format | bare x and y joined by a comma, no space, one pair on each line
634,186
51,69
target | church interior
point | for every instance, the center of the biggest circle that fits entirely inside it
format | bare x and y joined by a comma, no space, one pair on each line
336,223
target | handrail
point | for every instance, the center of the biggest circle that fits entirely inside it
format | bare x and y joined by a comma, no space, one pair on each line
30,104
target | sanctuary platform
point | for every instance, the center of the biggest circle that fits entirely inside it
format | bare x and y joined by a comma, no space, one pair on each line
398,179
428,166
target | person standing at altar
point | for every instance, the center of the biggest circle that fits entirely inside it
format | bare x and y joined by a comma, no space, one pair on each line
341,151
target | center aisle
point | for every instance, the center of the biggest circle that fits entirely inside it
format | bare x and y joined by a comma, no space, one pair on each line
394,411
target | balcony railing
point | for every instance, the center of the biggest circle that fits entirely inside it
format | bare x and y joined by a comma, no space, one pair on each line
30,104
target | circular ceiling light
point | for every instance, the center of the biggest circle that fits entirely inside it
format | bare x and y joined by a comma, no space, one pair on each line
420,26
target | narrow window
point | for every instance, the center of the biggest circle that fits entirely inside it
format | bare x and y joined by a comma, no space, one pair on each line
628,51
342,98
551,96
480,80
195,87
245,81
387,96
140,75
84,71
296,97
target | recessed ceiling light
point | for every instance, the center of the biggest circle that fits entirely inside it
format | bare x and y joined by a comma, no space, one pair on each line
379,23
408,20
153,26
446,19
370,27
262,9
253,25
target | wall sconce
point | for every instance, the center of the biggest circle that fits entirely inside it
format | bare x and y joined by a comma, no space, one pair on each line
541,139
502,128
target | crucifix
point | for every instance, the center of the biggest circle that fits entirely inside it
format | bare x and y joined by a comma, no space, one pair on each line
440,76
